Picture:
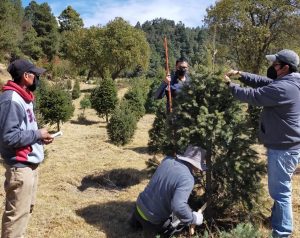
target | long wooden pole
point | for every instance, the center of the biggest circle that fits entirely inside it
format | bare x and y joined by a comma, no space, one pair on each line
168,74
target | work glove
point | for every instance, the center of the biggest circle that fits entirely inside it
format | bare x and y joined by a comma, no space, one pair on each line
199,218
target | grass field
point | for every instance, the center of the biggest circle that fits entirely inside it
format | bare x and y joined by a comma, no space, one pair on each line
72,201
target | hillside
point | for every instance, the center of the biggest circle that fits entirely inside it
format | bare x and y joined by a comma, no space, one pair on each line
72,199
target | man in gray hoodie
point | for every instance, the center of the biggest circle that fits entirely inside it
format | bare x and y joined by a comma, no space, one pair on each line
21,146
168,192
279,129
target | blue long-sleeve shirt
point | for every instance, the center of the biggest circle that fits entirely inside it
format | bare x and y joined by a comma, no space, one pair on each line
176,87
168,191
280,118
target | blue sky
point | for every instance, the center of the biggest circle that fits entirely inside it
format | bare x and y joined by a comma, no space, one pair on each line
94,12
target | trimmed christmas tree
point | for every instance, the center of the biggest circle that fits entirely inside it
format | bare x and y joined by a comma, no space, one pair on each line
122,125
55,105
205,114
104,98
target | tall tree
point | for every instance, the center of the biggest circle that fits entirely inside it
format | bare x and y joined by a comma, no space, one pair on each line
45,25
252,29
30,44
126,48
79,45
116,48
69,20
11,15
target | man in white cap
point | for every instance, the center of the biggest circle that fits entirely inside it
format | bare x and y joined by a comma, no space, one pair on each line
168,192
279,129
21,146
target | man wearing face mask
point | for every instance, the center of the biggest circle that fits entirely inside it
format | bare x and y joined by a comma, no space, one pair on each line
279,95
21,146
176,81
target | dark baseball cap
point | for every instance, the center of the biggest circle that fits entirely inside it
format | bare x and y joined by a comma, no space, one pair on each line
286,56
18,67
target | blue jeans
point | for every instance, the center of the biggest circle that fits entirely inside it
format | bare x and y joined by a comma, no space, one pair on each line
281,166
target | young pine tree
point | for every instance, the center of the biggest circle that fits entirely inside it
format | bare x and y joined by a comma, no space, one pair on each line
104,98
206,114
122,125
76,90
55,105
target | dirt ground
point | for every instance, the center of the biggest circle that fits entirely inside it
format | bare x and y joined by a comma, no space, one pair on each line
71,203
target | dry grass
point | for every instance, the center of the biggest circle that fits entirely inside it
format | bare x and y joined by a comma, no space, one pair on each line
73,201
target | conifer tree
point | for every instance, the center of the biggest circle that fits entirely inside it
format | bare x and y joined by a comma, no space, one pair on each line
55,105
205,114
104,98
122,125
84,104
76,90
135,100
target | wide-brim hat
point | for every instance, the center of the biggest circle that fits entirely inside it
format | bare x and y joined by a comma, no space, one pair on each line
195,155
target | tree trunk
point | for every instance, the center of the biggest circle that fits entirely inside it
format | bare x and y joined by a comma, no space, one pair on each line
106,116
90,74
209,192
58,126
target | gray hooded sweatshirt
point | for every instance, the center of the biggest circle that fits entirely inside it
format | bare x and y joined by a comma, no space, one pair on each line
168,192
279,126
20,139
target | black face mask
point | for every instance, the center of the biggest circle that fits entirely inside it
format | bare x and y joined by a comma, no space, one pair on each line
181,72
34,85
272,73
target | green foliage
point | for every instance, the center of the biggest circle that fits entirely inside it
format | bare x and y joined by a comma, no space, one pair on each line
45,25
30,44
182,41
122,125
69,20
55,105
243,230
206,114
104,98
151,104
135,101
158,138
78,45
84,104
11,14
61,68
251,29
126,48
76,90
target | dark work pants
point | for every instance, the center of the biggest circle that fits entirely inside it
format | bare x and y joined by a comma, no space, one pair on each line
150,230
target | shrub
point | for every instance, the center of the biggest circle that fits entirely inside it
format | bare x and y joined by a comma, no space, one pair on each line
76,90
122,125
55,105
134,98
104,98
84,104
243,230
